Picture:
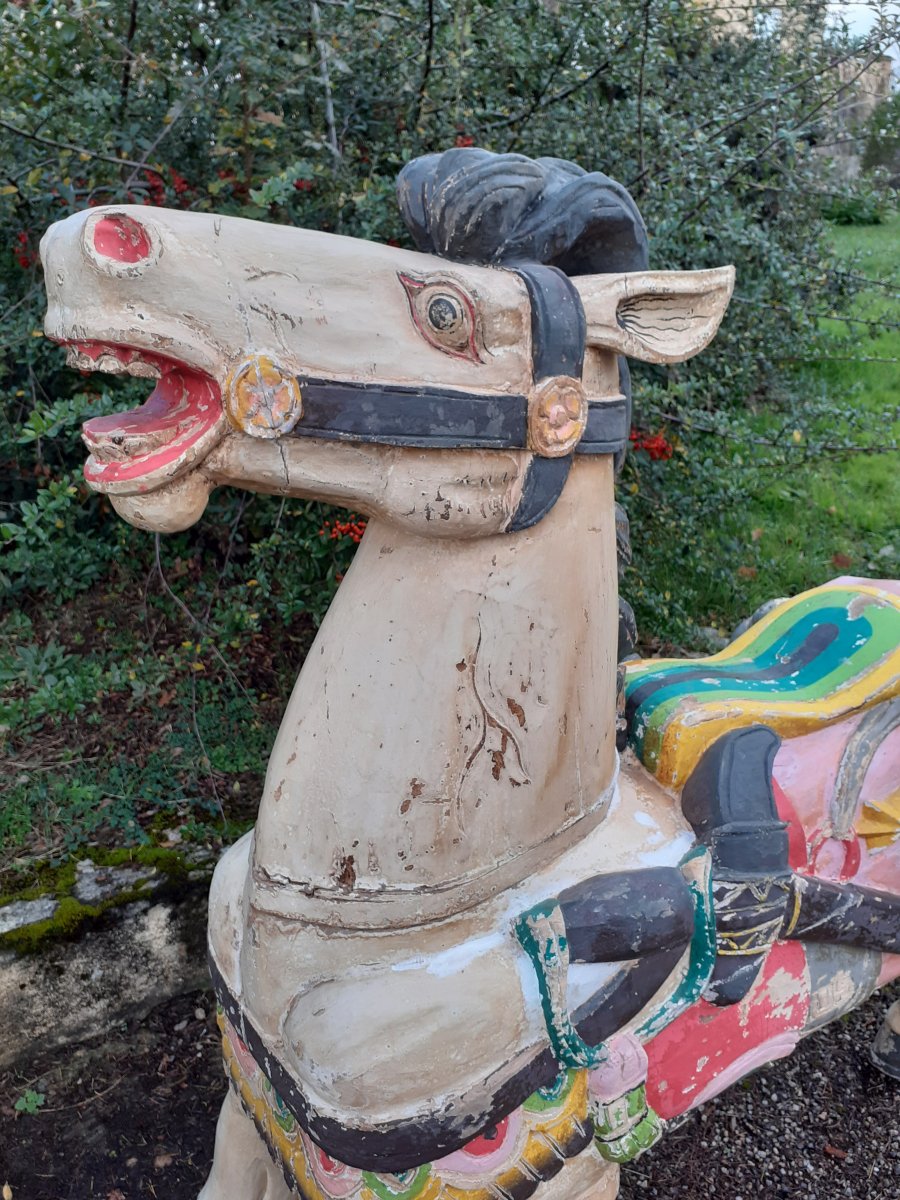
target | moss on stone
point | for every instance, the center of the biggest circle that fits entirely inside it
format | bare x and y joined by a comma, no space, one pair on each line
68,918
169,862
172,874
50,880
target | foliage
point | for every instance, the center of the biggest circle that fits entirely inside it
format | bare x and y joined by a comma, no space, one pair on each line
303,113
768,503
866,205
882,147
30,1102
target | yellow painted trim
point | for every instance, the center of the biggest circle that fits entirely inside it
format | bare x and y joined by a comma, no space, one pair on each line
879,822
686,734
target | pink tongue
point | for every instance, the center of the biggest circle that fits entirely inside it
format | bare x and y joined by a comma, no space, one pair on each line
179,399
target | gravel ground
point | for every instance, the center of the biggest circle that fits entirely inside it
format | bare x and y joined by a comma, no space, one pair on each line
820,1125
133,1116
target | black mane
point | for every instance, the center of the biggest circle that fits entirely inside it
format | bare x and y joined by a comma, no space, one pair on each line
475,206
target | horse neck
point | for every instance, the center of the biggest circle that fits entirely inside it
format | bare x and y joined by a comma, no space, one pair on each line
453,725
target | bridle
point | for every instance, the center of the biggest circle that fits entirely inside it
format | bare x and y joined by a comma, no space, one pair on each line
555,421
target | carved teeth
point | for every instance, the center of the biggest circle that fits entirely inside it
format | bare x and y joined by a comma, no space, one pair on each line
111,364
79,360
143,370
122,447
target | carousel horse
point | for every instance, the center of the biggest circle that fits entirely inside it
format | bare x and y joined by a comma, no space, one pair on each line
473,949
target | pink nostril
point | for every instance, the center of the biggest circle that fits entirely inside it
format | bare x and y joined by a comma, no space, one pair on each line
122,239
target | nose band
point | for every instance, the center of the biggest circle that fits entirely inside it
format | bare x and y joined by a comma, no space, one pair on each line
438,418
445,419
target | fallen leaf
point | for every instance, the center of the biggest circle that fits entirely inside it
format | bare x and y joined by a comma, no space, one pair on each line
841,560
166,698
115,1194
834,1151
163,1160
747,572
756,534
7,1192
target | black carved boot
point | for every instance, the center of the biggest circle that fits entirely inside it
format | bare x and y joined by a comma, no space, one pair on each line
730,804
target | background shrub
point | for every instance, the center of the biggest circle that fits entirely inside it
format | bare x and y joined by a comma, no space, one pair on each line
303,113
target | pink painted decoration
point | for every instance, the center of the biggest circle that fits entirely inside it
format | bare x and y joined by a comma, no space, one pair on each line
708,1048
805,773
488,1151
184,407
624,1069
122,239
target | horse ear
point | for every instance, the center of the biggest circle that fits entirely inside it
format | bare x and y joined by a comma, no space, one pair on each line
655,316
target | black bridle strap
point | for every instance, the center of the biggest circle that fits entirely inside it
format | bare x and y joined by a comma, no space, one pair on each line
435,418
440,418
558,331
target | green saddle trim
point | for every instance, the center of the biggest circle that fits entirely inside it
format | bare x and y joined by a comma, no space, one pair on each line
542,935
541,932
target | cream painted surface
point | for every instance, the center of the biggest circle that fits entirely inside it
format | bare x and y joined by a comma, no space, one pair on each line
655,316
446,494
169,509
223,288
447,758
587,1177
242,1168
434,1033
313,991
450,687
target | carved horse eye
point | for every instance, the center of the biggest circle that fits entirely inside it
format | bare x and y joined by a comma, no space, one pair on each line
444,315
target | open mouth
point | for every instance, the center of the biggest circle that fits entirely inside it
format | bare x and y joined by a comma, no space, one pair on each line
143,448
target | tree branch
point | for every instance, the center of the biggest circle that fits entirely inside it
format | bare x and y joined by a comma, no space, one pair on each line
543,101
129,59
794,448
326,81
426,67
772,143
741,114
45,141
645,37
176,114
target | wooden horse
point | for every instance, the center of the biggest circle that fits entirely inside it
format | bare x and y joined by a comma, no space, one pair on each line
470,951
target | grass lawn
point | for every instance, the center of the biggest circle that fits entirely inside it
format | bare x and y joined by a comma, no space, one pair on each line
843,516
824,516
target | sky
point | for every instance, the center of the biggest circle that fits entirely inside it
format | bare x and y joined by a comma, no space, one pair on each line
861,18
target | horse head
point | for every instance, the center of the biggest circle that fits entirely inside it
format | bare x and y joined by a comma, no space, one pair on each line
310,364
